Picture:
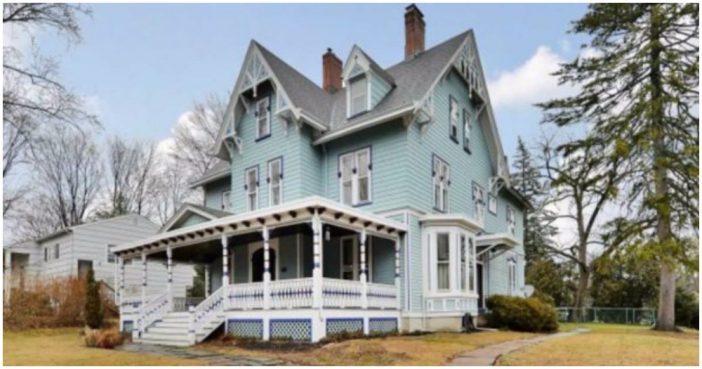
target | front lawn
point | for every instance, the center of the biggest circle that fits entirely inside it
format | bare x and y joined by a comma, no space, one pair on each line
430,349
611,344
65,347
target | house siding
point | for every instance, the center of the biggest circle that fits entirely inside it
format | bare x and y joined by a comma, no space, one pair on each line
214,192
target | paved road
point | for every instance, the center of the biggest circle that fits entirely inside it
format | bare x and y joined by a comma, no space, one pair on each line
488,355
191,353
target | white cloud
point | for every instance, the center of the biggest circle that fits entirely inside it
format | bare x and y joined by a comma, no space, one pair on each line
530,82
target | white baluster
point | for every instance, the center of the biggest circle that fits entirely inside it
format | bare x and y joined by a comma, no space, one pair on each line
169,265
317,259
266,269
225,271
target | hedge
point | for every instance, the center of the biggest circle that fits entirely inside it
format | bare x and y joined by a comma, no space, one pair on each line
521,314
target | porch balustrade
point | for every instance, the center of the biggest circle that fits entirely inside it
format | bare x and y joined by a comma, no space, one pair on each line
153,310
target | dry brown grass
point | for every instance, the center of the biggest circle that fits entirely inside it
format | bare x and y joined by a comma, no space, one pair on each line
65,346
431,349
610,344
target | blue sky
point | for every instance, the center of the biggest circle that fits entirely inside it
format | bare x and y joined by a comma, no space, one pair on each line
142,66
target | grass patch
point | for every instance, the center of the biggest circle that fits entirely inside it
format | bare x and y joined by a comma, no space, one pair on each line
65,346
429,349
611,344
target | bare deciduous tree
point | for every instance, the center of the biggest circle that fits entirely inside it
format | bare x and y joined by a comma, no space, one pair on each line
169,190
131,167
195,137
67,164
32,93
583,181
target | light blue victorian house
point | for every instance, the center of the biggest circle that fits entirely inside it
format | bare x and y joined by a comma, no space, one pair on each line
378,202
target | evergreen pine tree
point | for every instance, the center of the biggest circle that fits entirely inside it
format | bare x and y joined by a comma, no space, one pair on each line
638,93
93,304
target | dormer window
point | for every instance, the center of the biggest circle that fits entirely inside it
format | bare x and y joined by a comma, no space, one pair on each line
263,118
358,96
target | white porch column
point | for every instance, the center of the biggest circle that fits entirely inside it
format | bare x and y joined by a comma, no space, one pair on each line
364,270
225,271
317,260
266,268
169,267
397,272
120,281
207,280
143,292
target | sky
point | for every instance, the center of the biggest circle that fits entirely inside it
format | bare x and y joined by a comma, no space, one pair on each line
140,67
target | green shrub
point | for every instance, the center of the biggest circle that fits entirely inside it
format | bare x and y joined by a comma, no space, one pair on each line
687,309
521,314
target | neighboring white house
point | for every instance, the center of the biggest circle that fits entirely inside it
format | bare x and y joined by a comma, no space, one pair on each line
74,250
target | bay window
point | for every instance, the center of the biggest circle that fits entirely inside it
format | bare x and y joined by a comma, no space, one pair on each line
442,262
251,188
512,275
355,177
275,182
441,179
463,256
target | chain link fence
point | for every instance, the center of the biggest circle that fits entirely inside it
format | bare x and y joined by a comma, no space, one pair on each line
637,316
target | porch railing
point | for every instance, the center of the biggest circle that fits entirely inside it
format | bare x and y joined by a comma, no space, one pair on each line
153,310
246,296
206,310
341,293
382,296
291,293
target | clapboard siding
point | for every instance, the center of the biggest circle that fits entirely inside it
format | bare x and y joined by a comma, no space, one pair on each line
214,193
379,88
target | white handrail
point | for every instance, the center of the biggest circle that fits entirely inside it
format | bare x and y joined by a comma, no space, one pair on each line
201,314
152,311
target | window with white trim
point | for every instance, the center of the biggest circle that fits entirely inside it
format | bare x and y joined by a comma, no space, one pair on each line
471,264
358,96
441,177
57,251
263,117
275,182
453,117
511,221
463,254
466,130
492,204
479,202
443,262
512,275
226,200
251,188
355,177
111,257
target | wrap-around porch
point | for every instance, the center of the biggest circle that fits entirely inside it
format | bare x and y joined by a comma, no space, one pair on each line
315,254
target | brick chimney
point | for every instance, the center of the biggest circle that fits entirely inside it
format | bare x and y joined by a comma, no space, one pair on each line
331,71
414,31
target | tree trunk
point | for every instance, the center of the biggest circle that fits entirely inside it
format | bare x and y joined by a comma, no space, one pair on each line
579,303
666,297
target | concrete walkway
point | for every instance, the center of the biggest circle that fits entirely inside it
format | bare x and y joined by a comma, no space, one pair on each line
191,353
488,355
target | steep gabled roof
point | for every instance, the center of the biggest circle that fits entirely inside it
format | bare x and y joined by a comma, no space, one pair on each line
303,93
187,209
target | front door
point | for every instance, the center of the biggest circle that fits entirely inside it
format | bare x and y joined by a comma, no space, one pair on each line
83,267
257,265
349,258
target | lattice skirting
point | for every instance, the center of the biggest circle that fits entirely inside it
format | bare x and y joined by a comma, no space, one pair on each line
382,325
294,329
127,326
338,325
249,328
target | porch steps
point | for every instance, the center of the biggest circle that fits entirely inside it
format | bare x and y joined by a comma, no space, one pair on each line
172,330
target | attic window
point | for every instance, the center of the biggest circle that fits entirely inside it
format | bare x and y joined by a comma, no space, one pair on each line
263,118
358,96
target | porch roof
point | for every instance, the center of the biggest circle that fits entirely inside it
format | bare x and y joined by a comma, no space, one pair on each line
289,213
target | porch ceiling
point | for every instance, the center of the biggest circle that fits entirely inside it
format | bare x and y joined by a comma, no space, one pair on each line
300,211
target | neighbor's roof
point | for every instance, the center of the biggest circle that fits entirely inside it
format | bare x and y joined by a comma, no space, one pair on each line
189,208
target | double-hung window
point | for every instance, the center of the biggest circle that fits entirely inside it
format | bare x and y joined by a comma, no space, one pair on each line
111,257
355,177
466,130
441,181
57,251
275,182
358,96
443,262
464,257
263,117
251,188
479,202
511,220
512,275
453,117
226,200
471,264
